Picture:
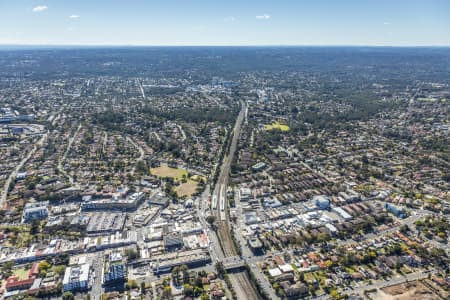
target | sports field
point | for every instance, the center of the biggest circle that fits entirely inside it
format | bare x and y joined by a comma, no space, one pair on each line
166,171
186,189
276,125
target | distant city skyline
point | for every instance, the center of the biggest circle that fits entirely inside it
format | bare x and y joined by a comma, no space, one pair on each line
225,23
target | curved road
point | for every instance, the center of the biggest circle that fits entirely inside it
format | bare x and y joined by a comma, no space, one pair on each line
18,167
139,148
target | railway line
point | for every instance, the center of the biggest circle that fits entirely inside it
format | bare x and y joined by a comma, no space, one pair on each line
243,286
240,280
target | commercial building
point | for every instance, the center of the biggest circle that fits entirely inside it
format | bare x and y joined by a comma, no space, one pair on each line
192,258
101,223
173,241
145,216
9,117
251,218
159,200
35,211
115,277
396,210
245,194
272,202
116,203
76,278
255,245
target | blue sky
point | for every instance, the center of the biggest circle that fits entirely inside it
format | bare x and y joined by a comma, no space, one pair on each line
225,22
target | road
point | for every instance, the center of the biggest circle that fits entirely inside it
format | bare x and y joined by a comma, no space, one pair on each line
13,174
183,134
141,88
61,161
157,136
412,99
105,142
394,281
97,265
371,236
140,149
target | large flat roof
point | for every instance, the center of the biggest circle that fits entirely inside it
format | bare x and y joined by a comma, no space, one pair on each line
76,274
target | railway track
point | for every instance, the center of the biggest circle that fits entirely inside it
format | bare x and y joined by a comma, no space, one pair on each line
242,286
240,280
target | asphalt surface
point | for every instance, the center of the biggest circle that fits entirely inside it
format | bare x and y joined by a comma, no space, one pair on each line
97,265
391,282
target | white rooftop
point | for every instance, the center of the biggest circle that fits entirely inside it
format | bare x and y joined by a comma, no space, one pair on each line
275,272
286,268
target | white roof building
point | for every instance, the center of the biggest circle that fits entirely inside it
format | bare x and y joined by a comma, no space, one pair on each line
286,268
76,278
275,272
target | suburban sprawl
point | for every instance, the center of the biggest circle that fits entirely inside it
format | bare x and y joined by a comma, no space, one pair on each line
225,173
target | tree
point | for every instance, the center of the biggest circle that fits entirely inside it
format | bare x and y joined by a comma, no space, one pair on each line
220,269
398,266
68,296
167,292
204,296
394,249
59,270
185,274
211,220
142,168
175,272
6,269
43,266
197,291
334,294
404,228
301,276
188,290
131,253
133,284
34,227
61,259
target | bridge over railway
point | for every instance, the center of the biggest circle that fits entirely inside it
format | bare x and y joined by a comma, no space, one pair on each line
233,263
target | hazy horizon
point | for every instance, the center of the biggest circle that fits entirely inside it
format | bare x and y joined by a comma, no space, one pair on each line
70,46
